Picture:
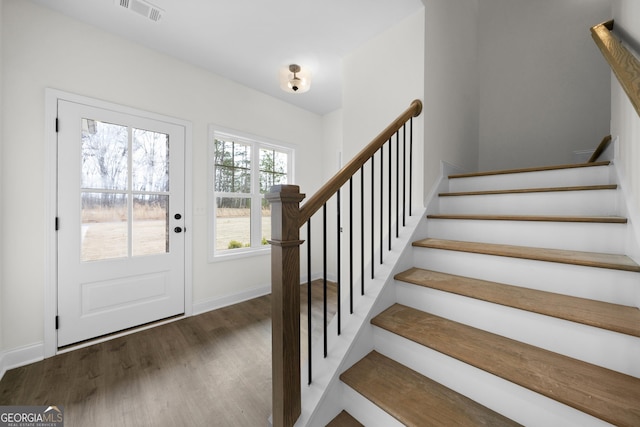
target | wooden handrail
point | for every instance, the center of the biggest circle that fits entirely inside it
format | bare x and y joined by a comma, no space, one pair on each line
624,64
600,149
316,201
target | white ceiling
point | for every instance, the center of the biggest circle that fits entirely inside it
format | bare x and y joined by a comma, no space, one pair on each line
249,41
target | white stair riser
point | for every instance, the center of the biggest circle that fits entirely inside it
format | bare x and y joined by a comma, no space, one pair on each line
593,237
365,411
515,402
614,286
566,177
577,203
593,345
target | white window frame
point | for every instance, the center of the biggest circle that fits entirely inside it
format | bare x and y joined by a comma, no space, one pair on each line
256,142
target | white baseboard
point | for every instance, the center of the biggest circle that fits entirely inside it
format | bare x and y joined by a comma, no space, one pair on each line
20,356
258,291
227,300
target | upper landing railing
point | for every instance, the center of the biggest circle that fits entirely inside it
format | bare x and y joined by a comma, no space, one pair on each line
382,174
624,64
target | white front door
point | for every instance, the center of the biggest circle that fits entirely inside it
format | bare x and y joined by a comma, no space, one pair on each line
121,246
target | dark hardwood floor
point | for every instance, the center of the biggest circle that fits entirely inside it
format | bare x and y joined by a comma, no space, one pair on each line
213,369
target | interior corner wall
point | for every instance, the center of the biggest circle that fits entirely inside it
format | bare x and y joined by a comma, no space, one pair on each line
44,49
625,121
451,86
2,204
544,89
380,80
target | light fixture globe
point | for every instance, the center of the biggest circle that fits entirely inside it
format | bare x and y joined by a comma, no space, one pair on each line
295,79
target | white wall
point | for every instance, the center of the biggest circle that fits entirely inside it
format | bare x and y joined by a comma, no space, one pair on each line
45,49
380,80
451,86
332,143
625,122
1,187
544,90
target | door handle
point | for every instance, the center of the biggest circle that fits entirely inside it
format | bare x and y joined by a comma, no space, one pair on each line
178,229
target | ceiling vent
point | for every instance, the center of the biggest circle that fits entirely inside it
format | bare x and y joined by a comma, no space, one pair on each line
141,7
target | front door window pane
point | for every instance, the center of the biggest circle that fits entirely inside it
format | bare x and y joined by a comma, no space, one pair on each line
150,230
104,155
104,226
150,157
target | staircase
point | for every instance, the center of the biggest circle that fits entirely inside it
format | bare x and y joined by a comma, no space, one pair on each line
517,310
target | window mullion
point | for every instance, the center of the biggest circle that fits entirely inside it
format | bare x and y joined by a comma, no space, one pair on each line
256,202
130,191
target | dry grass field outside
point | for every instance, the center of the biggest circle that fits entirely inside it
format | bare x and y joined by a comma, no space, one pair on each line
105,231
234,225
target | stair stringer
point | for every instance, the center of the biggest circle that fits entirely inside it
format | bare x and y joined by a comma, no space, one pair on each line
322,400
627,207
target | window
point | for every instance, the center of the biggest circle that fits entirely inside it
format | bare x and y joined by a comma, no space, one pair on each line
242,170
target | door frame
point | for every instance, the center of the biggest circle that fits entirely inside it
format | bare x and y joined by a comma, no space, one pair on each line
51,200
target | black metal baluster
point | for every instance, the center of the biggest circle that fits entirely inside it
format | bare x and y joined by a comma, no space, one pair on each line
351,245
309,296
390,186
404,173
397,183
362,230
410,163
381,204
324,275
338,260
373,162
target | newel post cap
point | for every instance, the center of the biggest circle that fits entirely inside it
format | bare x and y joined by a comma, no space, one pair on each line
284,193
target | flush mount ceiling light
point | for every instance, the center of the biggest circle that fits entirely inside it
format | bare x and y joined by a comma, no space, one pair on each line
295,79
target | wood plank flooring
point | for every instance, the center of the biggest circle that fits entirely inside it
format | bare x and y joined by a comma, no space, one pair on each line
344,419
213,369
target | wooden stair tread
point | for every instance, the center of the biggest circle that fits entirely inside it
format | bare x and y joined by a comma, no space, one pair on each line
589,259
541,218
534,169
609,395
344,419
531,190
613,317
414,399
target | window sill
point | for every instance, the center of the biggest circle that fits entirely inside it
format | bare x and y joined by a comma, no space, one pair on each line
233,254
